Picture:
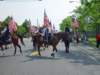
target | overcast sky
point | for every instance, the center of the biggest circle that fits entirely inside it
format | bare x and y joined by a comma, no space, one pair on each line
56,10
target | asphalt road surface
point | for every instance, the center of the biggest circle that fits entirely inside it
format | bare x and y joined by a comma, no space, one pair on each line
82,60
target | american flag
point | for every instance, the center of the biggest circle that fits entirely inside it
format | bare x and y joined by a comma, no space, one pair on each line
46,20
75,23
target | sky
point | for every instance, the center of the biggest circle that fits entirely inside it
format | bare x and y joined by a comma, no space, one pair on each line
20,10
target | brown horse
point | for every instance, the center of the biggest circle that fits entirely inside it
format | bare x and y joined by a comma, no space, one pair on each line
15,41
38,40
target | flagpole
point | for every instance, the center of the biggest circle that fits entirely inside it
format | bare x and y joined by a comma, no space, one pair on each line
38,23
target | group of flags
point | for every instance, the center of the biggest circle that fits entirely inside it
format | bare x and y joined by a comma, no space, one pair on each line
13,25
47,22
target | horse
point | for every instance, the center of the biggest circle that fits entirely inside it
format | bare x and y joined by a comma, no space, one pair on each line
13,39
53,41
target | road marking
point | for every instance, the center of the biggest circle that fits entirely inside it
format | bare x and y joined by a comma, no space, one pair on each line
34,53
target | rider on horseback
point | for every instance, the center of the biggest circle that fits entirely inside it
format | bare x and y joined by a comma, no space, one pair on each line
5,35
67,29
45,34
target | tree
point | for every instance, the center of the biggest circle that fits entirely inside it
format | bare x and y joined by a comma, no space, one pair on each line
25,25
5,22
89,9
65,23
21,30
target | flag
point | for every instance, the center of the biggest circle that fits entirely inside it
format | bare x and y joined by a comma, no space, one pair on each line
30,26
75,23
53,27
50,24
12,26
46,20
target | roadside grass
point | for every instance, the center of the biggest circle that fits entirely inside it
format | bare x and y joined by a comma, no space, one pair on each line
92,41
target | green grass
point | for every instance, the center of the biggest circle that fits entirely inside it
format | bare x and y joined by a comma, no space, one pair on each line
92,41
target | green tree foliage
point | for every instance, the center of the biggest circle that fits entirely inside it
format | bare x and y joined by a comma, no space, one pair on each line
65,23
21,30
25,25
5,22
91,9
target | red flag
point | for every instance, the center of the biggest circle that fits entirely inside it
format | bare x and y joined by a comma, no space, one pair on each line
46,20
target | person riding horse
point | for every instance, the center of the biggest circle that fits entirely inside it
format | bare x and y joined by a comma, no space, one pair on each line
14,37
46,33
67,29
53,42
5,35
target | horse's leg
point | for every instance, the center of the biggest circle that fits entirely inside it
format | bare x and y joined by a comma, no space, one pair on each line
15,49
54,49
67,43
19,48
21,39
39,51
34,45
6,47
2,49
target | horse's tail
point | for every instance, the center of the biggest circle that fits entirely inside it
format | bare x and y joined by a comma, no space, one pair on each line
21,40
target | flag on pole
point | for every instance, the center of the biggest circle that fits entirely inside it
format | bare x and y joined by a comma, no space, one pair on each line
50,24
30,26
12,26
75,23
53,27
38,23
46,20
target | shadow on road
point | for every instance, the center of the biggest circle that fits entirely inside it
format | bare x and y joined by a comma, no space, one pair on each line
28,51
4,56
80,57
33,58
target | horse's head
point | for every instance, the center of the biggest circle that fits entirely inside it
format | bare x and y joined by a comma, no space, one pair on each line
37,37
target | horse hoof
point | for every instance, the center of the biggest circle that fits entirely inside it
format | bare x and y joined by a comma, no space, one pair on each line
39,54
22,54
56,50
52,54
67,51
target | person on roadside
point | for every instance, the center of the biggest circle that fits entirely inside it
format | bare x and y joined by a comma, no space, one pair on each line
98,40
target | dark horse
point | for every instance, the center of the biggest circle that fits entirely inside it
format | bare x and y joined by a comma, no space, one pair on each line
14,39
38,39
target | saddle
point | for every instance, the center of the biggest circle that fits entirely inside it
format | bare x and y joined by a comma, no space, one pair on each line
48,38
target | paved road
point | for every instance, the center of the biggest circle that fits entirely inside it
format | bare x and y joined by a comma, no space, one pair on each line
82,60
